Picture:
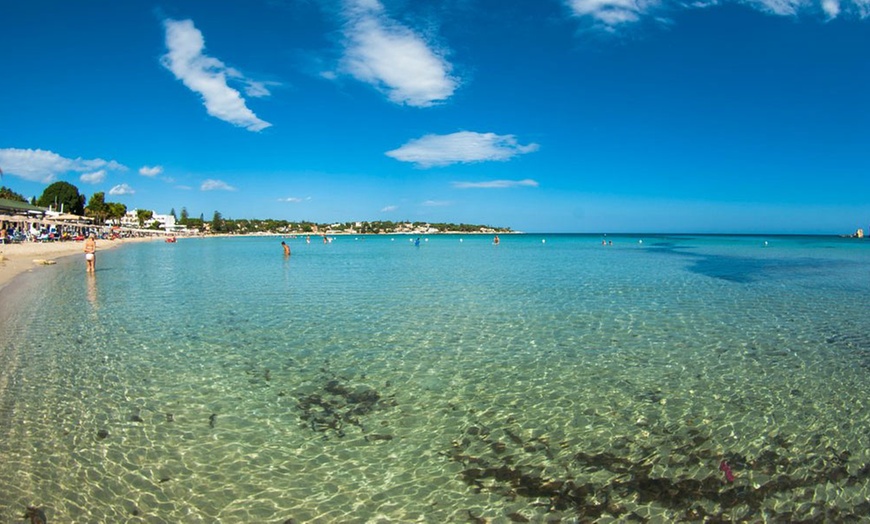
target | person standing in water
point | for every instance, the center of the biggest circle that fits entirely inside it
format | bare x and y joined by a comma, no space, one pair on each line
91,252
286,248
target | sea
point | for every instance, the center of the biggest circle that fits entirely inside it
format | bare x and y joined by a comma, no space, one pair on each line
372,379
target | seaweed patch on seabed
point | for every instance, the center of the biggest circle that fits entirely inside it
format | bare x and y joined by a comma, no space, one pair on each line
336,405
593,485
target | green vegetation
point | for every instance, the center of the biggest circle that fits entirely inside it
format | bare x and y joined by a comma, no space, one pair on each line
116,211
8,194
102,211
144,215
63,195
218,225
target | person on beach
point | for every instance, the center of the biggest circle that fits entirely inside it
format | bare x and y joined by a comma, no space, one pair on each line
91,252
286,248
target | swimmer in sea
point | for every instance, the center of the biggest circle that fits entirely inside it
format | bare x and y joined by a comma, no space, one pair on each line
286,248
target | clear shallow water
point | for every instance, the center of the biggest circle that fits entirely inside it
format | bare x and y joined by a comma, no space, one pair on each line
371,381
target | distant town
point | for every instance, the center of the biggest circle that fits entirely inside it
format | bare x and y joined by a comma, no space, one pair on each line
61,204
218,225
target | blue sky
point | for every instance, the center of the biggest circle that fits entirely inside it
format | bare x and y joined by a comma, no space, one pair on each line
544,115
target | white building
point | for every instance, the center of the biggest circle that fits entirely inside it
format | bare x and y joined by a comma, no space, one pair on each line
166,222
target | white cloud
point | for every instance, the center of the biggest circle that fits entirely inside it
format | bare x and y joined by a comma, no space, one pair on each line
393,58
121,189
294,200
610,14
388,209
496,184
831,8
208,76
94,178
437,203
780,7
150,171
38,165
212,185
461,147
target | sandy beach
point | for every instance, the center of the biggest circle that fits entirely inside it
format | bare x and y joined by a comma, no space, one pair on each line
40,256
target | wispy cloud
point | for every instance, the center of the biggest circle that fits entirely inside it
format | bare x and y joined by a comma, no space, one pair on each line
150,171
388,209
437,203
209,76
94,178
611,14
831,8
394,59
121,189
215,185
38,165
292,200
496,184
461,147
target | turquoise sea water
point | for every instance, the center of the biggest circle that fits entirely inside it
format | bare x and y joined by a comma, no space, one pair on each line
548,378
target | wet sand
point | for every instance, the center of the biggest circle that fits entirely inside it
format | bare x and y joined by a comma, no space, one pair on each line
38,256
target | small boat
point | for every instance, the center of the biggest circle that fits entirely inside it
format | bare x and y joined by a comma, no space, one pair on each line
170,240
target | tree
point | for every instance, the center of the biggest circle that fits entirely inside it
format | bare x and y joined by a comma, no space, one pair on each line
63,195
97,207
184,217
8,194
172,212
194,223
144,215
217,222
116,211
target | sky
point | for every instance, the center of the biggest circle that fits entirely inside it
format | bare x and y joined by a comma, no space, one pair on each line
592,116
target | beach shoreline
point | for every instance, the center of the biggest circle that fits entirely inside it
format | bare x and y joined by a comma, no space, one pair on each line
28,257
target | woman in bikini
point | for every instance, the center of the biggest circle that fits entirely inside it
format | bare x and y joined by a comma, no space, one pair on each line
91,252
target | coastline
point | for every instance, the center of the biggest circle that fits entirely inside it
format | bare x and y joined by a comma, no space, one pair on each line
27,257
